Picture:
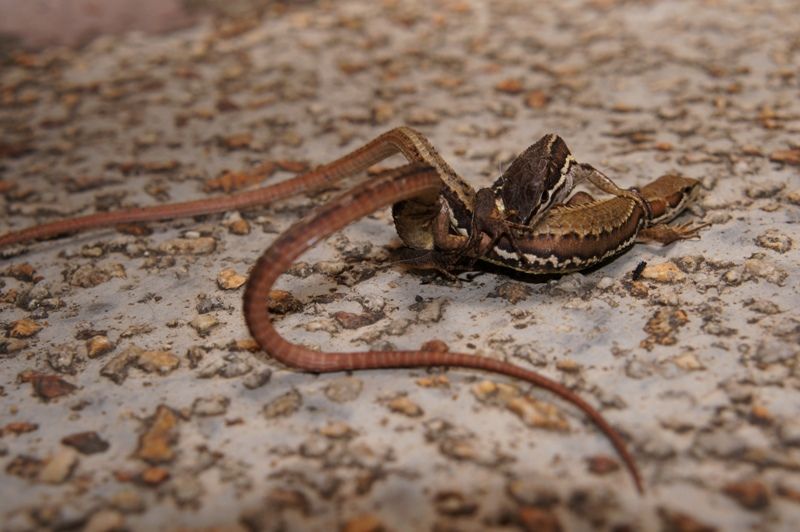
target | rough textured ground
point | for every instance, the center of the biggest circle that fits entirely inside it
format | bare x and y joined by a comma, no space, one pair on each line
130,395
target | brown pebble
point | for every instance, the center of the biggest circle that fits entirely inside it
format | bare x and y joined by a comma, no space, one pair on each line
437,381
50,387
536,99
23,466
156,443
568,366
788,493
344,389
437,346
19,427
153,476
59,467
363,523
750,494
639,289
774,240
282,302
688,361
601,464
495,393
513,292
204,323
237,141
539,519
663,326
239,227
349,320
510,86
761,415
86,442
664,272
284,405
786,156
24,328
98,345
404,405
22,272
189,246
454,503
228,279
538,413
162,362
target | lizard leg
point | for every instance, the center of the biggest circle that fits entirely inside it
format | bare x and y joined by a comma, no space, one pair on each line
666,234
603,182
443,239
487,227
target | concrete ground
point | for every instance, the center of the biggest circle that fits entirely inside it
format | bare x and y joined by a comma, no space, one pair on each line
132,397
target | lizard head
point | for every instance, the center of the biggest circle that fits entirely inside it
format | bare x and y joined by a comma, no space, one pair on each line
668,196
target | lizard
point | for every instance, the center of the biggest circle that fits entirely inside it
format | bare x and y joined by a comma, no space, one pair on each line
448,205
541,176
580,234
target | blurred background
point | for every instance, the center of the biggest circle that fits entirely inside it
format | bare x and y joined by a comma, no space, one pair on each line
33,24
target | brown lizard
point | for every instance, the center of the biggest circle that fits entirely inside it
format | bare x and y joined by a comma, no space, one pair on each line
553,174
622,221
435,209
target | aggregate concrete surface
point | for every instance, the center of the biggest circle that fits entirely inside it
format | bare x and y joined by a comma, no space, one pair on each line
132,396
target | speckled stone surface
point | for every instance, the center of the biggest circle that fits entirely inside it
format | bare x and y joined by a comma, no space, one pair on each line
132,397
